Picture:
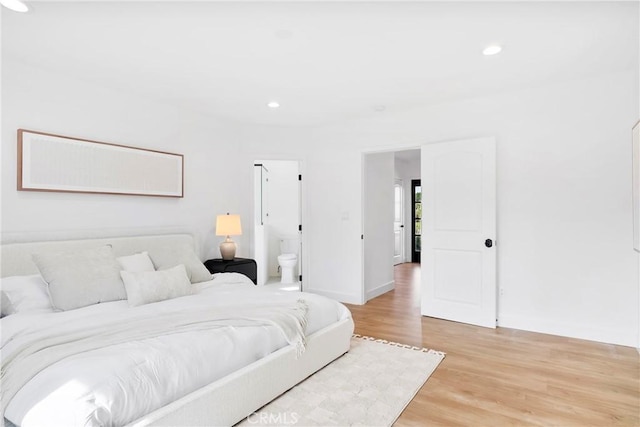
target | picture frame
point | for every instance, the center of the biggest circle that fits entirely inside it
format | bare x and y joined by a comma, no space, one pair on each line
636,185
56,163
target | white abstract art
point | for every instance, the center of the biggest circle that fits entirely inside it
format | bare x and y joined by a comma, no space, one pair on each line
49,162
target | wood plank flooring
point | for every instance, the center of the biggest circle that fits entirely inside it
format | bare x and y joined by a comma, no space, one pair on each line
504,377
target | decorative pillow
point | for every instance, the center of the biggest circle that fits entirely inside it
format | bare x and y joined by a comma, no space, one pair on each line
231,278
152,286
170,256
80,278
21,294
136,262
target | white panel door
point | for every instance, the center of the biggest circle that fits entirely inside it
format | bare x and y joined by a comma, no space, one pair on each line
458,231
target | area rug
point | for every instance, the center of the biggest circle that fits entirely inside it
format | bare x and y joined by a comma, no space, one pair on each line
369,386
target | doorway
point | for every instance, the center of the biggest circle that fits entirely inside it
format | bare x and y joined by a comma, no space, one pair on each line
386,210
457,217
278,223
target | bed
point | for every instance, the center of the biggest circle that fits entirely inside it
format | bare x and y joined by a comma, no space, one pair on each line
244,349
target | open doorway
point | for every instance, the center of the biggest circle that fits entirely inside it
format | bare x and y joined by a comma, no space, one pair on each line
387,217
278,223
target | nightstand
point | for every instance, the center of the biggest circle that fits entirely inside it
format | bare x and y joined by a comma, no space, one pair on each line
244,266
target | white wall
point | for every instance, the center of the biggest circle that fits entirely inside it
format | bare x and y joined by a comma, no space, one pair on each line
564,185
378,176
40,100
282,206
564,207
329,214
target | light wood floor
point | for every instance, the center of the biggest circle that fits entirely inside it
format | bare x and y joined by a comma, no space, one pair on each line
504,376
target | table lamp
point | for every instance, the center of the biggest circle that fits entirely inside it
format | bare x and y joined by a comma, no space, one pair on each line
228,225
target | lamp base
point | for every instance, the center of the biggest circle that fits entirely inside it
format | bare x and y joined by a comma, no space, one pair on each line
228,249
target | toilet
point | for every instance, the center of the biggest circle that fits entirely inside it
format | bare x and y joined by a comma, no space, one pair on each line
288,258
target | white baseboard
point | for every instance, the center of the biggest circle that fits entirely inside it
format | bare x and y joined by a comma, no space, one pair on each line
338,296
571,330
379,290
354,299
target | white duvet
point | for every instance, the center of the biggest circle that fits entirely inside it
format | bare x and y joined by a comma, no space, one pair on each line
120,383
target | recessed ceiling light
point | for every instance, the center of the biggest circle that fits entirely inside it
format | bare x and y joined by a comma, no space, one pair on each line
15,5
379,108
273,104
492,50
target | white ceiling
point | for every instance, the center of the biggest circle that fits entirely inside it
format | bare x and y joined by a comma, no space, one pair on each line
407,155
326,61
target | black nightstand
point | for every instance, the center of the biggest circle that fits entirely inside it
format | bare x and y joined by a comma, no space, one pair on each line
244,266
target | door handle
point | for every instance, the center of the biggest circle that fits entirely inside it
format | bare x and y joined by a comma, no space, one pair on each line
401,225
488,243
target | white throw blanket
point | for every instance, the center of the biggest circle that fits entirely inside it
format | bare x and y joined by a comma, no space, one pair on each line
37,348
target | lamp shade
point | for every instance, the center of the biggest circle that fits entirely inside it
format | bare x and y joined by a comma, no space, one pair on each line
228,225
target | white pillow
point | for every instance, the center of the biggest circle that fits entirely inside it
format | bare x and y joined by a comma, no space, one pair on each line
21,294
81,278
136,262
231,278
152,286
170,256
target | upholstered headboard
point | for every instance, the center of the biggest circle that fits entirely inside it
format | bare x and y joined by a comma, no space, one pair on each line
16,259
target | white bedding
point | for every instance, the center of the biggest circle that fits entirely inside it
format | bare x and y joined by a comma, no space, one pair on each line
122,382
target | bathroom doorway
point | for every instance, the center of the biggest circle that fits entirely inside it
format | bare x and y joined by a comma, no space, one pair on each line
278,223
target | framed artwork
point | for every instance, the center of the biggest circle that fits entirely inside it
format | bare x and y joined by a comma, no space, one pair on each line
636,186
48,162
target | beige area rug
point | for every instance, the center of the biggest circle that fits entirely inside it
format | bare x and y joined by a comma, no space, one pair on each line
368,386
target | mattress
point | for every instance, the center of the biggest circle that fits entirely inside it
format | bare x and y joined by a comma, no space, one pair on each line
120,383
